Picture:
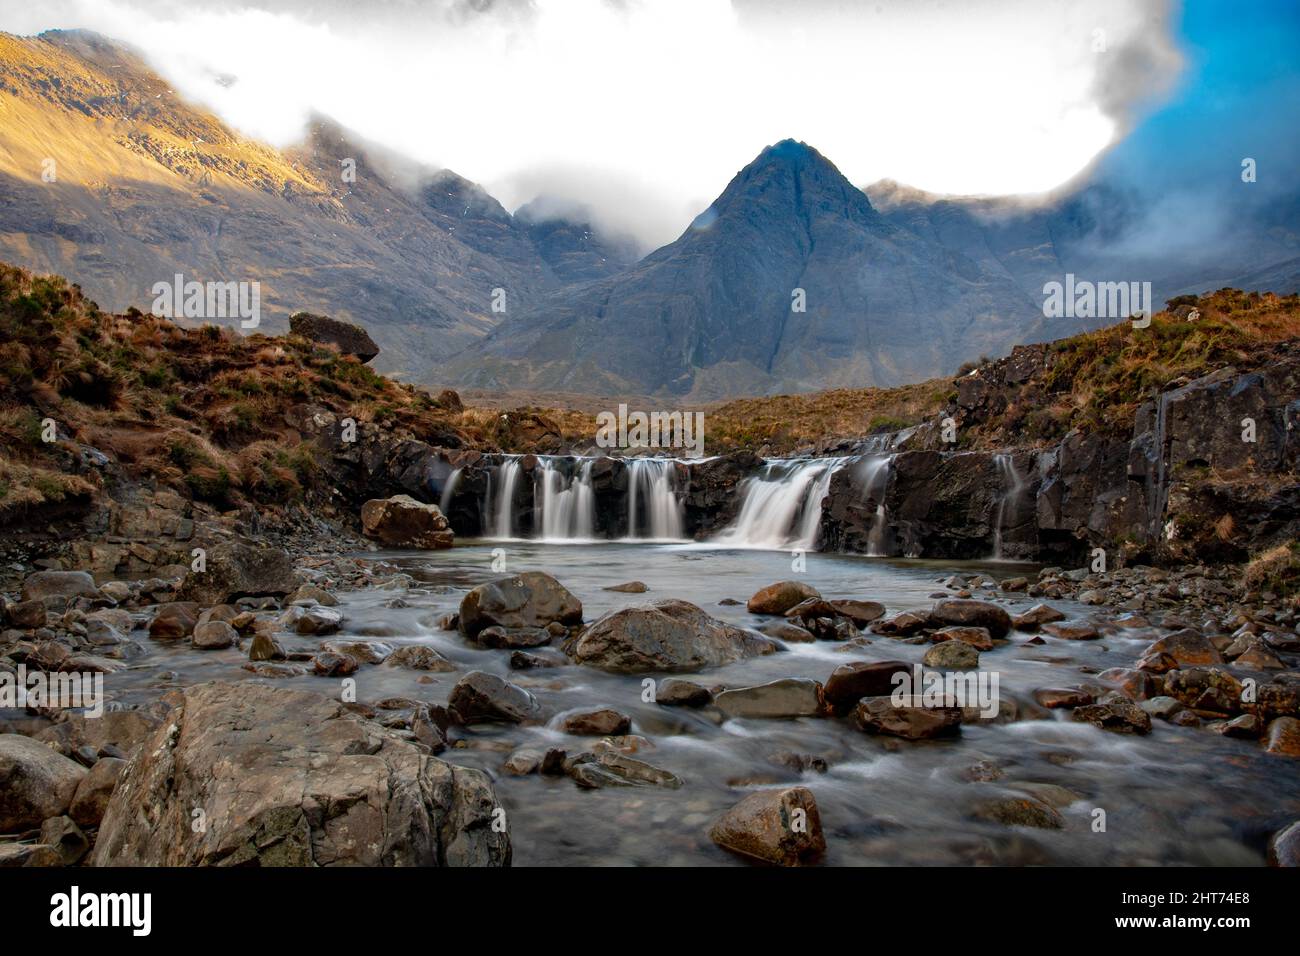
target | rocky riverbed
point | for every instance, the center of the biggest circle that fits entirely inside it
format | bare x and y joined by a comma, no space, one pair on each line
650,704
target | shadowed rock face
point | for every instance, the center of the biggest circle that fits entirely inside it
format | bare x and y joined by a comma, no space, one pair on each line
883,305
285,777
350,339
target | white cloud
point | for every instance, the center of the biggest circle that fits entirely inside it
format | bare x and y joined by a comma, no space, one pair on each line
644,110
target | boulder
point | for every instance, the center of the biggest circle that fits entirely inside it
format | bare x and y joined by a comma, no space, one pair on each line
851,682
479,697
214,635
672,692
1284,737
964,612
603,722
512,638
403,522
780,827
1284,846
116,730
952,655
235,569
1072,632
348,338
909,720
787,697
1188,647
1019,812
860,613
29,854
530,599
977,637
1036,617
27,615
667,635
790,633
418,657
35,783
59,587
94,791
290,778
173,621
780,597
1055,698
1118,714
611,768
66,837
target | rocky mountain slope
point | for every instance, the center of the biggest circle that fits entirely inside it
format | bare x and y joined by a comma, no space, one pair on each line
108,175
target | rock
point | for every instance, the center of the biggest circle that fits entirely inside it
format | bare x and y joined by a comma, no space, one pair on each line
1118,714
265,648
27,615
29,854
333,664
479,697
860,613
1208,689
780,597
1284,846
851,682
235,569
214,635
66,838
116,730
35,783
611,768
291,778
668,635
174,621
629,587
1036,617
603,722
403,522
1245,727
671,692
311,593
420,658
1072,632
1259,658
1284,737
512,638
785,631
811,608
1019,812
911,721
977,637
93,792
1161,706
952,655
1132,683
311,620
59,587
525,660
530,599
1055,698
348,338
365,652
787,697
780,827
970,613
1189,648
523,762
903,623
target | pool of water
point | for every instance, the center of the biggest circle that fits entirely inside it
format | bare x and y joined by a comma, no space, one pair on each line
1179,796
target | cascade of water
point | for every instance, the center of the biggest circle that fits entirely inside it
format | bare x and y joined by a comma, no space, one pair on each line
652,479
502,508
782,505
874,478
449,490
1012,485
568,506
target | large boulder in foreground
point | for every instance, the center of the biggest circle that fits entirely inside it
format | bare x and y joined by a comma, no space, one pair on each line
235,569
290,778
35,783
530,599
403,522
667,635
347,338
780,827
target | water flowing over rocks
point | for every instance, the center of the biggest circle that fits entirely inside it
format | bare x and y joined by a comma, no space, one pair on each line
285,777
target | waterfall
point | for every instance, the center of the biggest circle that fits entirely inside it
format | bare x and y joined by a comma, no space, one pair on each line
873,475
449,490
568,505
502,508
1012,485
652,480
782,505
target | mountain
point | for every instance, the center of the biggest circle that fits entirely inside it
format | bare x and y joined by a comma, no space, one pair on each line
710,315
108,175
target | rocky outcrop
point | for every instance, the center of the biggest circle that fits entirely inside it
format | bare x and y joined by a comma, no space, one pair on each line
237,569
403,522
286,778
669,636
347,338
